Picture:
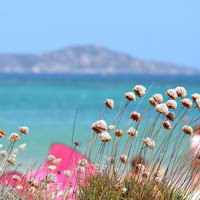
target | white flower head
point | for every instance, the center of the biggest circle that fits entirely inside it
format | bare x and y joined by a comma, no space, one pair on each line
111,127
51,167
135,116
83,162
11,161
130,96
181,91
162,108
24,129
119,133
188,130
109,103
4,153
14,137
80,170
99,126
152,101
105,137
167,125
67,173
16,178
171,104
22,146
158,98
124,159
51,158
52,178
197,101
149,142
187,103
145,174
139,90
172,93
132,131
195,96
171,116
57,161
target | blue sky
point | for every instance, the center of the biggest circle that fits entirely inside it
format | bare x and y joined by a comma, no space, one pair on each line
155,30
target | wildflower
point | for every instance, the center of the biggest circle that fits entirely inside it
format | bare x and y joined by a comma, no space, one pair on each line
4,153
51,178
14,137
16,178
149,142
158,180
145,174
187,103
105,137
195,96
111,127
167,125
139,90
123,190
171,104
109,103
11,161
133,132
51,158
1,145
57,161
67,173
172,93
188,130
124,159
152,101
181,92
135,116
19,187
158,98
3,132
32,190
171,116
130,96
157,174
83,162
22,146
99,126
24,129
140,167
51,167
80,170
198,103
162,108
119,133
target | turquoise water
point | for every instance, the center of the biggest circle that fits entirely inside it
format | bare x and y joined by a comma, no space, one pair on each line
47,105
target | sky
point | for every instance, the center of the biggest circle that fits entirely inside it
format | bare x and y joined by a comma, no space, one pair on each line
156,30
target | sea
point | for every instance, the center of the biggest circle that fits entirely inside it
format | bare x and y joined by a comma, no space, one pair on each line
48,104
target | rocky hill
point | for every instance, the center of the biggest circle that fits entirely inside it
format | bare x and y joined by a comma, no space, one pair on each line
86,60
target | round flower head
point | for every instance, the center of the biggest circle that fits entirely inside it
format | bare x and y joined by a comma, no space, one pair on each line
22,146
135,116
11,161
162,108
67,173
14,137
195,96
83,162
181,92
3,132
158,98
99,126
158,180
80,170
140,167
124,159
16,178
105,137
51,178
119,133
171,116
124,190
197,101
51,167
132,131
19,187
24,129
145,174
188,130
167,125
149,142
4,153
57,161
152,101
1,135
172,93
187,103
51,158
171,104
111,127
109,103
139,90
1,145
130,96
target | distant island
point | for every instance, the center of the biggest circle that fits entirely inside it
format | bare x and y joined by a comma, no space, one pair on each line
87,59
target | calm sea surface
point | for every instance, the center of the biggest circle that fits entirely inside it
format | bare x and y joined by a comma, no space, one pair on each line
47,105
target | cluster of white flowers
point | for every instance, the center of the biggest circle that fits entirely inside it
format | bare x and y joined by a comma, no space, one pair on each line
99,126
